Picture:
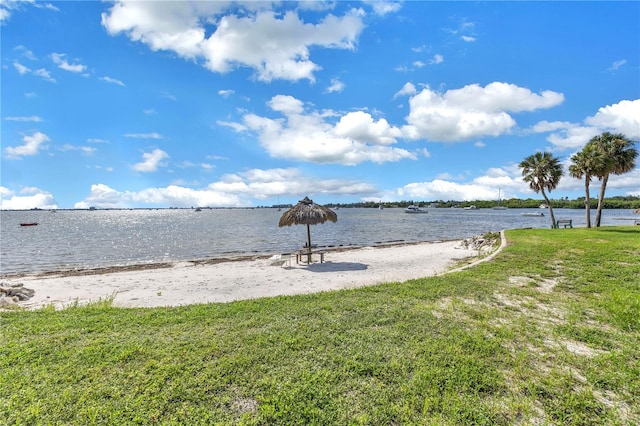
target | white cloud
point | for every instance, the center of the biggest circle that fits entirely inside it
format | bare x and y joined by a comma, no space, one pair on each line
62,63
437,59
151,161
468,39
97,140
32,118
360,126
309,135
35,198
44,74
472,111
112,80
275,45
226,93
236,189
484,187
623,117
617,64
572,137
407,89
152,135
381,8
336,86
8,7
21,68
86,150
32,146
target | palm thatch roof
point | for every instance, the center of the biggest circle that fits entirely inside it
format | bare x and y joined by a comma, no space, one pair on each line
306,212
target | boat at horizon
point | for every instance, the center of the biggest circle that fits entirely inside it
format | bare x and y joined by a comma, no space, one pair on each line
29,224
414,209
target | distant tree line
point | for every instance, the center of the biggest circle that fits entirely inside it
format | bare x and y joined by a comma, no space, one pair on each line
618,202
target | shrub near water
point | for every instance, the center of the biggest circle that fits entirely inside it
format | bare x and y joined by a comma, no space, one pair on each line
547,332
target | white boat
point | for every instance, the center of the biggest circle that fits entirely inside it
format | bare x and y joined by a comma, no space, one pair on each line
499,206
473,207
543,206
414,209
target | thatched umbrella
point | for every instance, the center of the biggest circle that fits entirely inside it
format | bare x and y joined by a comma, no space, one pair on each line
306,212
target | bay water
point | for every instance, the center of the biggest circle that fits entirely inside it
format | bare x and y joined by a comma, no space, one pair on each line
80,239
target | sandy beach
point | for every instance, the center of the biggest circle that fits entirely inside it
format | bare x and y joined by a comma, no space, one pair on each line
183,283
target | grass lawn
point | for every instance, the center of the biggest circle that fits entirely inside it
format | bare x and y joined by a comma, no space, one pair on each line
548,333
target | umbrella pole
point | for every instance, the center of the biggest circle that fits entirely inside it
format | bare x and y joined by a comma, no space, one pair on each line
309,244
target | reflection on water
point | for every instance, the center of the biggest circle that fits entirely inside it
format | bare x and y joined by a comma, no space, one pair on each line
81,239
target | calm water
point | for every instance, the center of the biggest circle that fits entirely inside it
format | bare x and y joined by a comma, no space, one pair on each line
81,239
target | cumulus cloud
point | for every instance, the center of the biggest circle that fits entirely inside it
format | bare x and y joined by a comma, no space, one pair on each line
309,135
383,7
235,189
60,60
45,74
623,117
569,135
407,89
226,93
472,111
336,86
28,198
32,146
151,161
21,68
437,59
275,45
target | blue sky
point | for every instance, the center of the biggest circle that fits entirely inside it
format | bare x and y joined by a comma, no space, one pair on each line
180,104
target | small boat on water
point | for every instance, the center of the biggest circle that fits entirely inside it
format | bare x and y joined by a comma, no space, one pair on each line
473,207
29,224
533,214
414,209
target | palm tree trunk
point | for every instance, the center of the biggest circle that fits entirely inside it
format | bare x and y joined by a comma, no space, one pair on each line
553,218
587,200
603,187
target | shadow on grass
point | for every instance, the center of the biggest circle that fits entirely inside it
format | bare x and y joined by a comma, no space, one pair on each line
620,230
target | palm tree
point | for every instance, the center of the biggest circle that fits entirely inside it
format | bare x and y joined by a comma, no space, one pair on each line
587,163
620,153
542,171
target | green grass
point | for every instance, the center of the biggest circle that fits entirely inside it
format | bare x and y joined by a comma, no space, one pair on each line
548,332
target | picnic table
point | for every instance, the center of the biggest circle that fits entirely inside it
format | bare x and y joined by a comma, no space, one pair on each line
308,254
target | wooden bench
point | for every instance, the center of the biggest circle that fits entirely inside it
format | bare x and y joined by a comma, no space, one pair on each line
636,222
301,254
564,222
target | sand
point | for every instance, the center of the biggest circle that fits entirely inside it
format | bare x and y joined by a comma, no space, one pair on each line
184,283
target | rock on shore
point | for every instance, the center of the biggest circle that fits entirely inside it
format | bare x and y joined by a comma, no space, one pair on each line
14,293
